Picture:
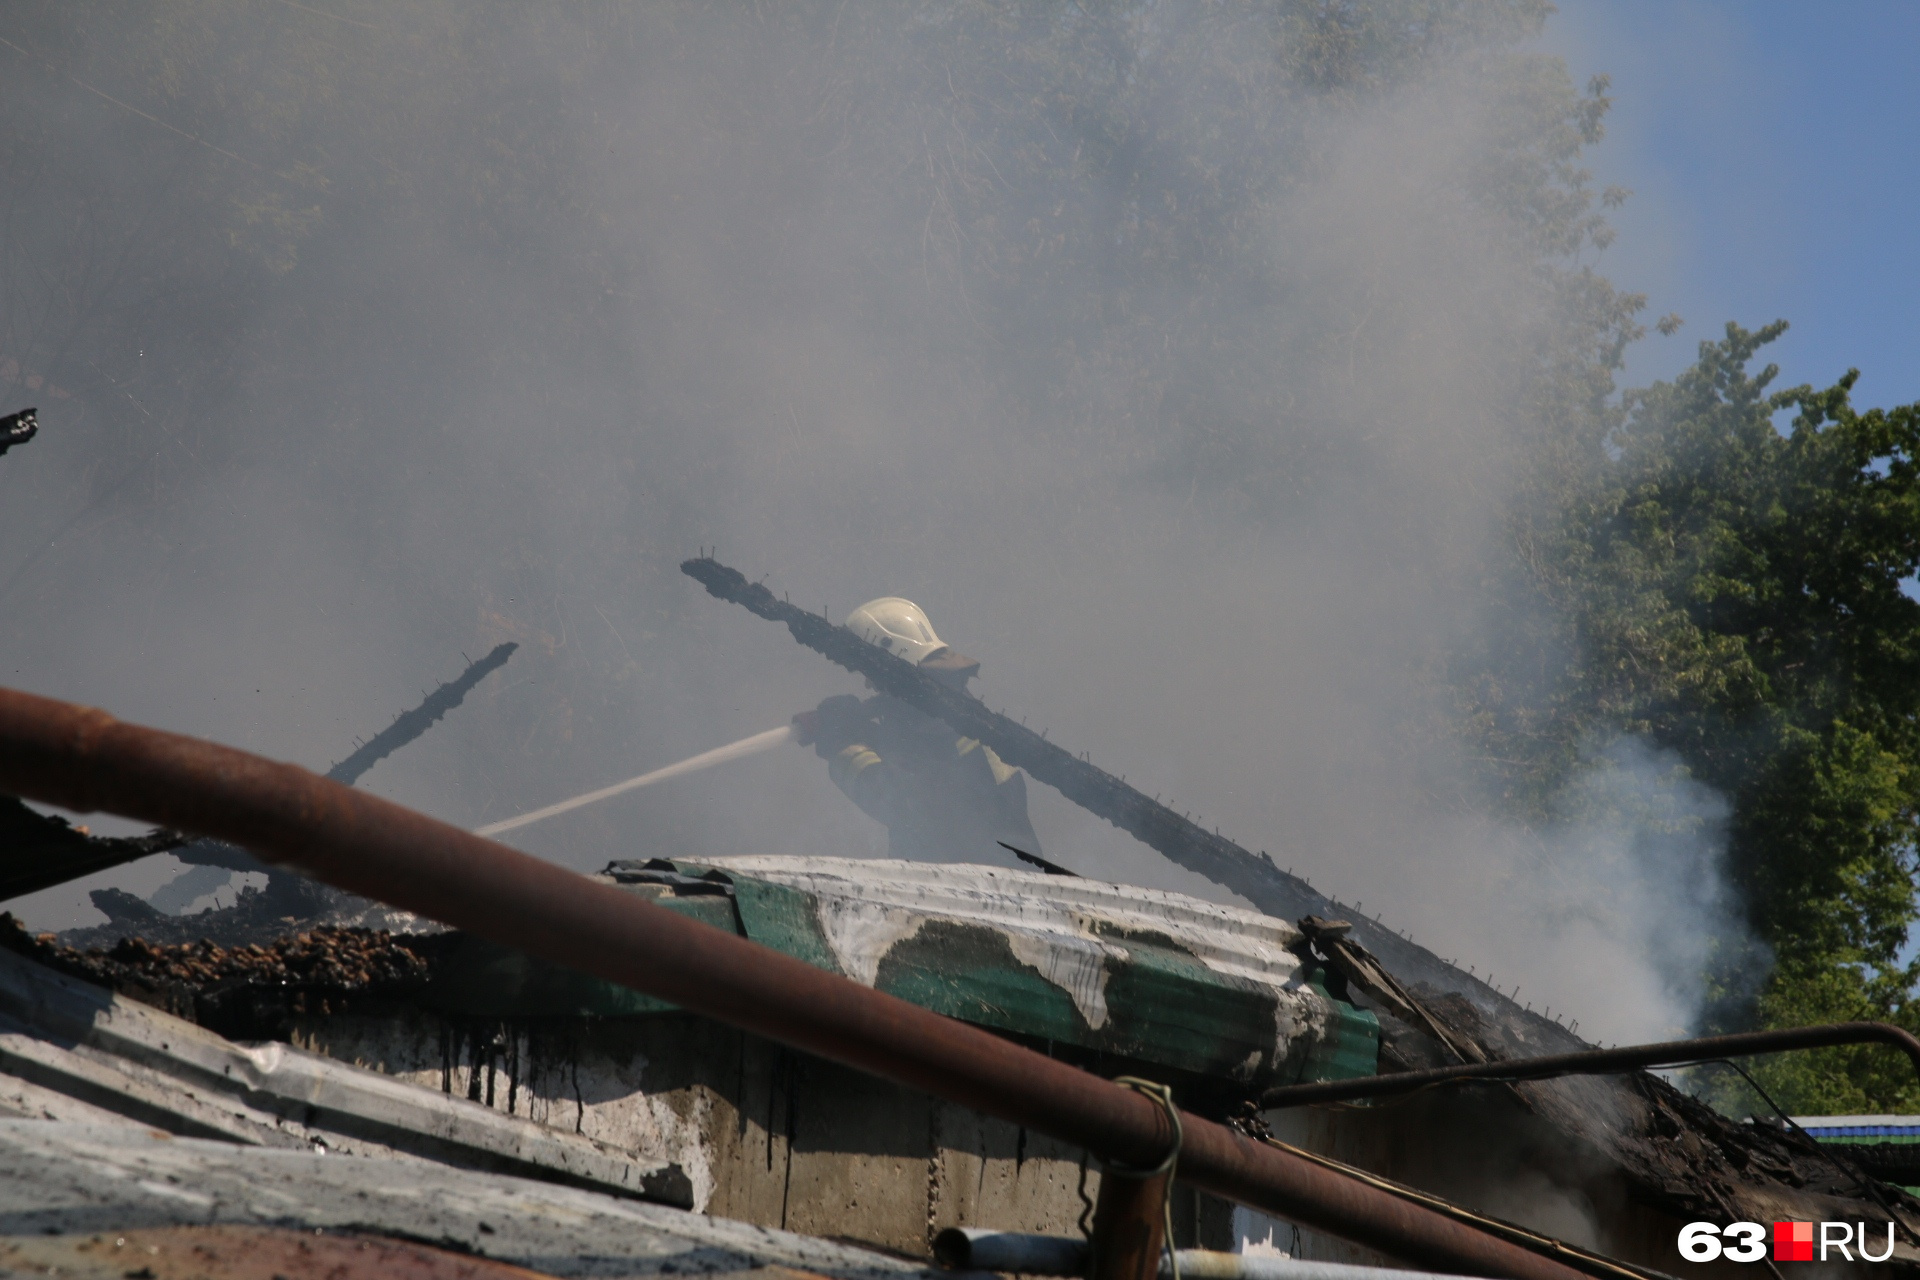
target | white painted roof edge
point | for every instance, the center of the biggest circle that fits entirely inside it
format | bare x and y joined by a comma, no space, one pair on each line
1161,904
1062,925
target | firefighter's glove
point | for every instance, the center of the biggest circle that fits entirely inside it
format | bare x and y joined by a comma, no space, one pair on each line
835,724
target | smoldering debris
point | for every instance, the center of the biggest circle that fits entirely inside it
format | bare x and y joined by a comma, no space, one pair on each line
39,850
1584,1134
256,917
1676,1150
318,969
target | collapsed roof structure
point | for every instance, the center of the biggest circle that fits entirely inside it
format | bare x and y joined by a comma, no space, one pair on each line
638,1061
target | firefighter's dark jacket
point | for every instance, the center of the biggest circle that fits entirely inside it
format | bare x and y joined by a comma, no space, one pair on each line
940,796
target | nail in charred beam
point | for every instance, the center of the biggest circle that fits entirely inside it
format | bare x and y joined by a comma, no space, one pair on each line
18,428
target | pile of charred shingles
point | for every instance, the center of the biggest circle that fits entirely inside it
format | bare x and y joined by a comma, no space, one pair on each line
232,989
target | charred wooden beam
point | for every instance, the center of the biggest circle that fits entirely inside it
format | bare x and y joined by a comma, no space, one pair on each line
39,852
291,894
18,428
411,724
294,895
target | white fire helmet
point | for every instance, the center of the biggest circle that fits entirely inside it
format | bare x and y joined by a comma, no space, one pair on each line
898,626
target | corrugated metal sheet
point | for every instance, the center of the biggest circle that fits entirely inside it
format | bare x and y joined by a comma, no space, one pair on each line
1140,974
1827,1128
1857,1121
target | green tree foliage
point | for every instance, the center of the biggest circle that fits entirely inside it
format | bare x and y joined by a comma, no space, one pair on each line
1730,581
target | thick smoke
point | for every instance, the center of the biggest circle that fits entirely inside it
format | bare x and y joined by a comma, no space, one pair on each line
1609,914
414,328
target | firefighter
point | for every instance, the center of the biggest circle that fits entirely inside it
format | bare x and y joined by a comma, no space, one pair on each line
940,796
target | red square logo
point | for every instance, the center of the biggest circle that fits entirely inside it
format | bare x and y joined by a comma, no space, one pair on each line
1793,1242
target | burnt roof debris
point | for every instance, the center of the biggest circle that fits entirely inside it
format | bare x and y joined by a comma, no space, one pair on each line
256,918
18,428
246,989
1205,992
1332,940
38,851
1679,1153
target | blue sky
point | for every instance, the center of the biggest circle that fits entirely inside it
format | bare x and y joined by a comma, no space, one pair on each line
1774,154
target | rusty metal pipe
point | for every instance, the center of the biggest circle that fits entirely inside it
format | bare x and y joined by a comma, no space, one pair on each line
85,760
1599,1062
1129,1226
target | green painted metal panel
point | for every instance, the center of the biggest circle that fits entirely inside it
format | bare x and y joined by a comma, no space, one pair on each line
1351,1047
778,916
1161,1005
1166,1006
969,972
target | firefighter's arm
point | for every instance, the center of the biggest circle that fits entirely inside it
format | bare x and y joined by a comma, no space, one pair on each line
838,730
833,725
884,790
